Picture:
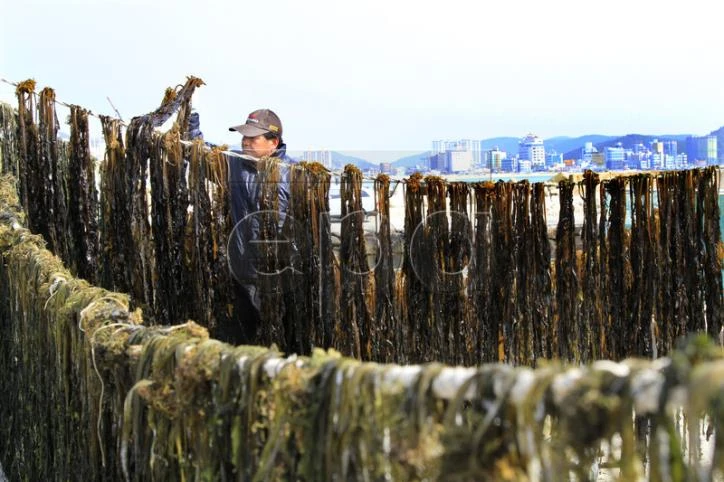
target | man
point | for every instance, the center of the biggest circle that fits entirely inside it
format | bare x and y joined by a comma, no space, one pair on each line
261,137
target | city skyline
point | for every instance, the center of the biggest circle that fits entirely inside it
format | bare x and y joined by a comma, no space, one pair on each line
531,155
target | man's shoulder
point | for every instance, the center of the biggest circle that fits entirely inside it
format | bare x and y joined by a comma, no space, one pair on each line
288,159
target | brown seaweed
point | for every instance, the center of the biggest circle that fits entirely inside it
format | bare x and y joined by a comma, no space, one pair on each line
49,206
502,272
414,310
479,279
8,140
461,335
643,244
113,211
389,335
568,335
29,185
542,287
523,252
168,170
353,333
618,338
592,308
82,198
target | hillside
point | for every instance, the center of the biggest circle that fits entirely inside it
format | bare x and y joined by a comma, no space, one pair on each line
339,160
413,160
566,144
507,144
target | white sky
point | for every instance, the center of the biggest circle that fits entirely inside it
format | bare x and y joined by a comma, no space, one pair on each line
381,74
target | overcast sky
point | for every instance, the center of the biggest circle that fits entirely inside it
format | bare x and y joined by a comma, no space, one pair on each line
383,74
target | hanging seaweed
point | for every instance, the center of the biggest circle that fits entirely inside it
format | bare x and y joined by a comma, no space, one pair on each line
708,195
308,278
541,289
522,339
480,275
169,209
28,145
173,100
568,335
672,304
83,198
431,245
462,339
642,255
50,205
328,305
198,249
692,222
414,306
502,271
8,140
137,246
664,309
113,211
605,293
389,334
139,249
325,288
642,295
591,314
270,258
354,333
618,335
207,237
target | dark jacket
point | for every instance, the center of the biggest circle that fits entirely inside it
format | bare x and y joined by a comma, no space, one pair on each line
245,191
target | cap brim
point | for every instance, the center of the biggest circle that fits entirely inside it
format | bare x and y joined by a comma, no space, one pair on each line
248,131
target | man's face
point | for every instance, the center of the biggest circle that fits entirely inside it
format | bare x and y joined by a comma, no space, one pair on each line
258,146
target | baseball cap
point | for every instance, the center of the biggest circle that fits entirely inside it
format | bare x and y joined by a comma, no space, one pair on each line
260,122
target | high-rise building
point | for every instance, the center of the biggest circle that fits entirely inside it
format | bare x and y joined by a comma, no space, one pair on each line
671,148
597,159
587,152
670,153
510,164
452,146
615,157
472,146
719,134
553,158
493,159
459,161
531,148
702,150
441,157
438,161
323,157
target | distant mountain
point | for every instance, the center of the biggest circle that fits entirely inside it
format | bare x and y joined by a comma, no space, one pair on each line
340,160
413,160
568,144
507,144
